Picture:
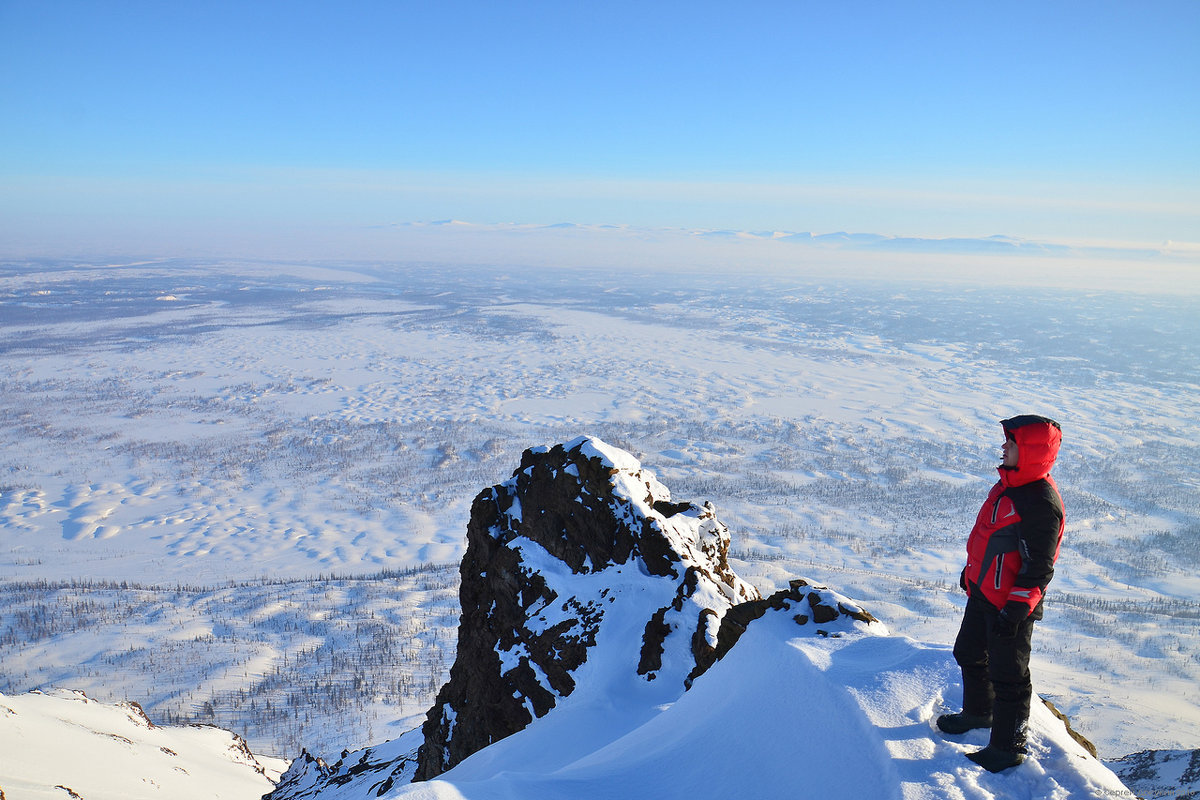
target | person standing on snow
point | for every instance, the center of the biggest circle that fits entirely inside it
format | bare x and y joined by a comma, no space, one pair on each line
1010,559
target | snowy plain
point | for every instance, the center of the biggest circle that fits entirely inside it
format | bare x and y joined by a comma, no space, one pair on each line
237,492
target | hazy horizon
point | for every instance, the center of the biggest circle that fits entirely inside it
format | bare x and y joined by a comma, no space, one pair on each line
274,130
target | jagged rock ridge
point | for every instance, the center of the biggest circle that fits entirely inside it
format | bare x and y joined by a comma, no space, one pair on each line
533,605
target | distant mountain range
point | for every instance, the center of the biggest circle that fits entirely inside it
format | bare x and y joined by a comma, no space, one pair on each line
860,241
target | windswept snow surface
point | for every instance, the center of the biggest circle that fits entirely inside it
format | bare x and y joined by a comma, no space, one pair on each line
158,457
781,716
64,744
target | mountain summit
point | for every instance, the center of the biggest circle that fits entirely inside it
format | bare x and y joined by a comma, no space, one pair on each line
607,649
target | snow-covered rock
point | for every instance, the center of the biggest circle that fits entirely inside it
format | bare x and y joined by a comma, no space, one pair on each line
63,744
370,772
581,556
1160,773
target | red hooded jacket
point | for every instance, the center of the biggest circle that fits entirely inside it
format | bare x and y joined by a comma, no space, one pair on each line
1015,541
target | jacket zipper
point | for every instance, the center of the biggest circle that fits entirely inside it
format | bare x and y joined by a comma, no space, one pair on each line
1000,558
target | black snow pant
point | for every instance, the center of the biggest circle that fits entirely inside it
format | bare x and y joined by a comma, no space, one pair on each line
995,673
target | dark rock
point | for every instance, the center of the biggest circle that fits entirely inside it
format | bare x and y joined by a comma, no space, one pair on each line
821,613
856,613
818,604
1076,735
575,509
652,643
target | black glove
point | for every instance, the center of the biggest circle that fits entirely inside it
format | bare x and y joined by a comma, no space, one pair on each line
1011,616
1004,628
962,580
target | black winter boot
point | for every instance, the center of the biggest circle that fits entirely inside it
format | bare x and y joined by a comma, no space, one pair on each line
993,759
963,722
1010,724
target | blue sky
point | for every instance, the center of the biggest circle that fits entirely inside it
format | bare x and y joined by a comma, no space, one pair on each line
1052,120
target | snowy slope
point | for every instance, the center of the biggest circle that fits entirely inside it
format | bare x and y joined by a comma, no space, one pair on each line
783,715
64,744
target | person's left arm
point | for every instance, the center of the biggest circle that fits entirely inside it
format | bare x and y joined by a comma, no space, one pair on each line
1040,530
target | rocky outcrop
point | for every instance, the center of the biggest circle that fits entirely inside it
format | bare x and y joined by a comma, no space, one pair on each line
303,777
581,574
370,772
818,607
1082,740
579,532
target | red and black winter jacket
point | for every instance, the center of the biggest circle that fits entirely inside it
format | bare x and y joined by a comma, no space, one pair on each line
1012,548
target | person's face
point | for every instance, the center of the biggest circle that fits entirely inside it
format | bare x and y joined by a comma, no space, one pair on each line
1010,453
